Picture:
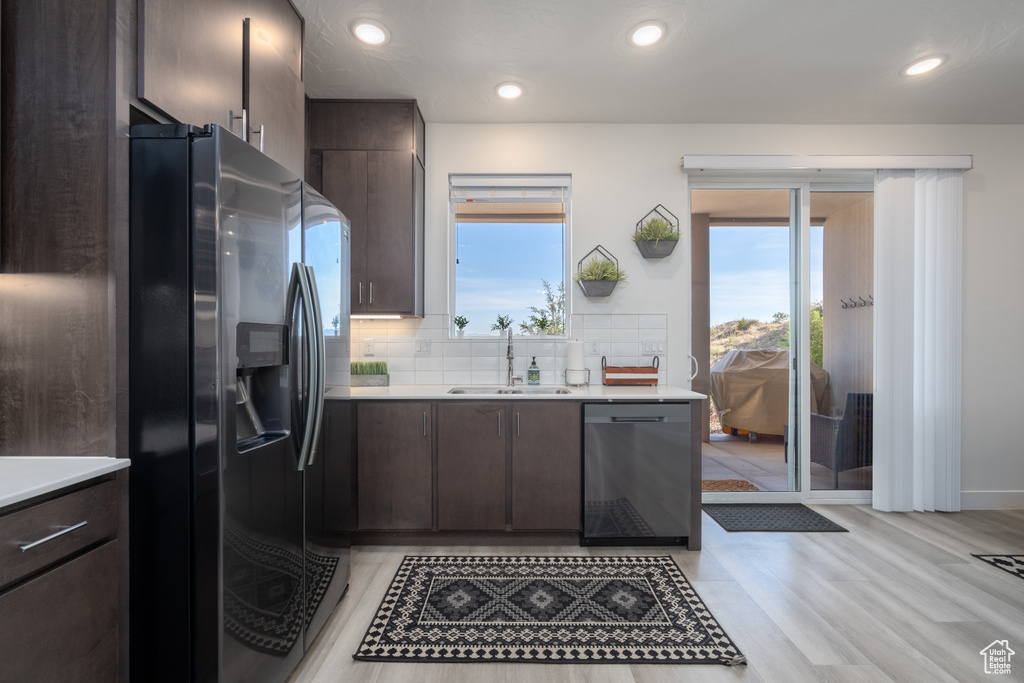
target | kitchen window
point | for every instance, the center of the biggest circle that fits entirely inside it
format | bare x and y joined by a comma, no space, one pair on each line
509,242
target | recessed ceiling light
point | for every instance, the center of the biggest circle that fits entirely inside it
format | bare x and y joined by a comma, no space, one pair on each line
370,32
509,91
647,33
922,66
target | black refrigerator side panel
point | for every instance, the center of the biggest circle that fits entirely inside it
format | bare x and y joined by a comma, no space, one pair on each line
160,500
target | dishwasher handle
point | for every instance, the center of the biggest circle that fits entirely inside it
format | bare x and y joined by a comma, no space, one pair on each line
659,418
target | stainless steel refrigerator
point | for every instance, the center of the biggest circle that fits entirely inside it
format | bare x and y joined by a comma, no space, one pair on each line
231,574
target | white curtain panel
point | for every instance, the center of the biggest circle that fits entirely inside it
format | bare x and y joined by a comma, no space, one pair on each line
918,229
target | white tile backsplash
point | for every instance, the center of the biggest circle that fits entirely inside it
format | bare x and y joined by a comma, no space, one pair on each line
658,321
482,361
455,363
401,364
484,377
457,348
486,349
623,349
485,363
458,377
401,377
630,335
428,364
624,322
400,349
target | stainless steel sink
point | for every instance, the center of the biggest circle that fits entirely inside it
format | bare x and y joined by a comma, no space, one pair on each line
479,390
496,391
538,390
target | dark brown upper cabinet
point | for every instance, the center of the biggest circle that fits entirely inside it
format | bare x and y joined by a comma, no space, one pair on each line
190,60
206,62
371,159
274,98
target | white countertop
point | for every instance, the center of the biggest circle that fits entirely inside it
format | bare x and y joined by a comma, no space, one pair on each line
22,478
589,393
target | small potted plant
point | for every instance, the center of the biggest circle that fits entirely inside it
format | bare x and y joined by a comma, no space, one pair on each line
542,325
503,323
460,322
369,373
657,233
599,275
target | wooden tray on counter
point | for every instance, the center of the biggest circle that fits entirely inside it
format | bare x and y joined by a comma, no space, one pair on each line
613,375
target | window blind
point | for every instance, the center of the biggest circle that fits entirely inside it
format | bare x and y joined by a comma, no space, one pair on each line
509,188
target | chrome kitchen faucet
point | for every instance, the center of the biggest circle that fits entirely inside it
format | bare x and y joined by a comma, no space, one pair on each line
512,379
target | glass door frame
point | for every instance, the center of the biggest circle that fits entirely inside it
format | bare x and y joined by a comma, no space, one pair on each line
798,450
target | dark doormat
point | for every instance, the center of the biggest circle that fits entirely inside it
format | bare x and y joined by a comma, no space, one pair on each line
576,610
769,517
1012,564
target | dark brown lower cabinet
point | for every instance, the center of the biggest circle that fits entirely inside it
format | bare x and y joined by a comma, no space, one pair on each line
395,465
545,465
471,463
63,625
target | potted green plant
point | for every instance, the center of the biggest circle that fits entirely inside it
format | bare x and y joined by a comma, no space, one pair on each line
657,233
599,275
502,324
369,373
542,325
460,322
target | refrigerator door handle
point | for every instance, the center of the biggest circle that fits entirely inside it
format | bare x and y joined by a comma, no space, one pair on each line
319,366
299,291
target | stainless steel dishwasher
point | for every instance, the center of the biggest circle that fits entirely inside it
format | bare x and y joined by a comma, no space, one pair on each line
636,473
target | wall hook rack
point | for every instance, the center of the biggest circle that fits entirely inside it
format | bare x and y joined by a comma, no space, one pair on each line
853,303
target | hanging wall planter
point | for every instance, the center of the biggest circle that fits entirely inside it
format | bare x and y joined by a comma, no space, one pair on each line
598,276
657,233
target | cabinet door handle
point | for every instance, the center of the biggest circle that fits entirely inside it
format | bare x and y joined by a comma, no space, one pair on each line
66,530
517,424
360,292
263,136
371,293
245,123
499,424
424,423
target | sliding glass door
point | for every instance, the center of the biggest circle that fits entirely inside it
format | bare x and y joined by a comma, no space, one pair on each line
788,369
745,303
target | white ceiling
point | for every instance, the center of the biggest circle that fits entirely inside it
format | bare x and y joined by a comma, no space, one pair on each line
723,61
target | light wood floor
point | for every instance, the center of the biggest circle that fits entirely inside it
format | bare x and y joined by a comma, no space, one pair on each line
898,598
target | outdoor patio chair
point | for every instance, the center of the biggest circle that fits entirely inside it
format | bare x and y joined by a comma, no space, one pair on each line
842,444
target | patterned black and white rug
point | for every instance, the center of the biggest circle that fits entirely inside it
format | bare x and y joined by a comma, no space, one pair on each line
263,605
769,517
1013,564
544,609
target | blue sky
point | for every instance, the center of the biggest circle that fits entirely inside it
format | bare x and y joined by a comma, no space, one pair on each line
500,269
501,266
750,271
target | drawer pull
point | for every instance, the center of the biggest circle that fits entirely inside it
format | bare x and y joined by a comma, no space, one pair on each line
65,530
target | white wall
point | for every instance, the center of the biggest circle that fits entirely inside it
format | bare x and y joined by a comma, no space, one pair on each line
621,171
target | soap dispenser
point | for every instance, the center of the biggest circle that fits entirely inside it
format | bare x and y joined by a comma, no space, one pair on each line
533,373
